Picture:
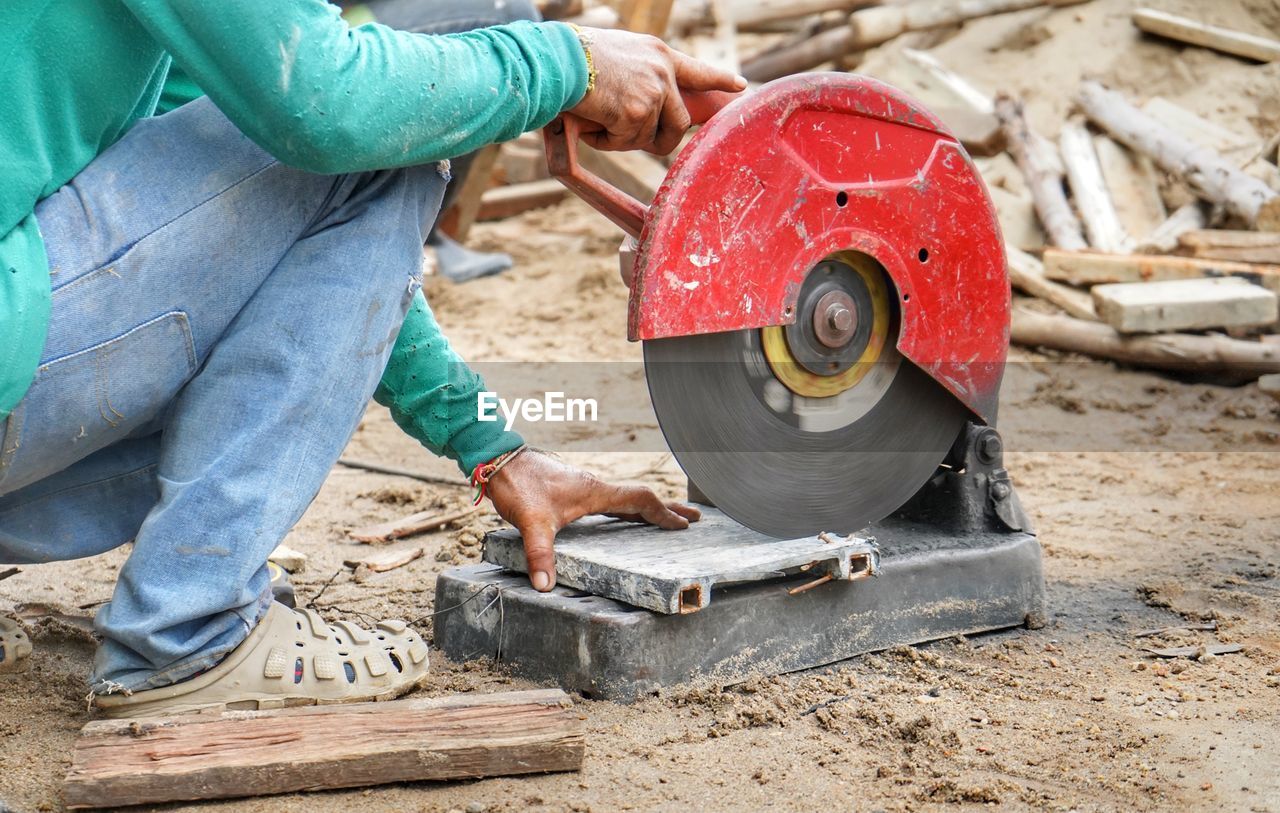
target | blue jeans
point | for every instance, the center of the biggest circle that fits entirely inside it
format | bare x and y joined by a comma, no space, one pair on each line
219,323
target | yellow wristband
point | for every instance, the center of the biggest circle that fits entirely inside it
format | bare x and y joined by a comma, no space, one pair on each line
584,39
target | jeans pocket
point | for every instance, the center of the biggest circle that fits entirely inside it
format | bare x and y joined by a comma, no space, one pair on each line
87,400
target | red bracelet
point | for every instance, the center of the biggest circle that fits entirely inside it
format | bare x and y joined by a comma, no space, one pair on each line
484,472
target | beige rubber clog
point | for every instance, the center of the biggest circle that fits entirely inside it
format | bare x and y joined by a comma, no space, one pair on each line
15,646
292,658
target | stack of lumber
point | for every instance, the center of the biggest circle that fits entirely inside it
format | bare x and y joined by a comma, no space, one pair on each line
1155,231
1166,290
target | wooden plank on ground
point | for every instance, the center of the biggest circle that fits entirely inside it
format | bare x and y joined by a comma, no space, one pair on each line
458,220
1194,32
418,523
257,753
1237,246
1091,268
509,201
1134,185
1184,304
1026,273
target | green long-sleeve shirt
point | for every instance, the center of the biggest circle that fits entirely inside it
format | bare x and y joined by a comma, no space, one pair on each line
304,86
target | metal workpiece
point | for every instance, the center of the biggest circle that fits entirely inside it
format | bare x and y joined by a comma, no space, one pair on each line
932,585
675,572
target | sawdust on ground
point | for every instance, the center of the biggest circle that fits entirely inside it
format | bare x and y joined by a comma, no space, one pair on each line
1157,502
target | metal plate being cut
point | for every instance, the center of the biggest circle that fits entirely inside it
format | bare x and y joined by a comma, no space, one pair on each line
791,466
675,573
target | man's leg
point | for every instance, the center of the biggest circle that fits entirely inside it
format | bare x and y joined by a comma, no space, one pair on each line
454,260
244,310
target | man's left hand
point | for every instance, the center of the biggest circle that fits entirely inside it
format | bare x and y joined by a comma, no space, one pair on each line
539,495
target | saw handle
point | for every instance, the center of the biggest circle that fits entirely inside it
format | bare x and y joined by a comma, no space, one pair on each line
561,137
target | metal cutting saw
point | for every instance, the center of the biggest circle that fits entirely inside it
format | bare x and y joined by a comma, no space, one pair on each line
821,291
820,287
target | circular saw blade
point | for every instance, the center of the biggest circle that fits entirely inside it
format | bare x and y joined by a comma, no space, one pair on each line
790,466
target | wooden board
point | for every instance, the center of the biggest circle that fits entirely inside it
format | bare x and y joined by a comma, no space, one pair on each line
1194,32
1235,246
256,753
674,573
508,201
1134,185
1090,268
1090,191
1184,304
1026,273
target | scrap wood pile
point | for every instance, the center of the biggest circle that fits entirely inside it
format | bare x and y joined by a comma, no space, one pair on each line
1152,233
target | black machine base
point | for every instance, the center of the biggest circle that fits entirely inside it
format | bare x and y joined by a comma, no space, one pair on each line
957,559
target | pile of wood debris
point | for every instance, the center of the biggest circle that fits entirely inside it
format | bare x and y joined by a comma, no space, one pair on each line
1152,232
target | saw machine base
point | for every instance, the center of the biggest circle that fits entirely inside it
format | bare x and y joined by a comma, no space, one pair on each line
956,560
930,587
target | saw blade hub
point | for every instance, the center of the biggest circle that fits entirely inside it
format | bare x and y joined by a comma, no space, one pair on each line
835,320
844,320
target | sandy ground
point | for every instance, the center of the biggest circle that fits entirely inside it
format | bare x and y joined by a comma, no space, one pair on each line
1157,503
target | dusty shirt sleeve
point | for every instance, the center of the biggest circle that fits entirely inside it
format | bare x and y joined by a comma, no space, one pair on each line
433,395
324,97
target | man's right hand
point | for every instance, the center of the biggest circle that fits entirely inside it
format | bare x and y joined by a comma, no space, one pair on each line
636,102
